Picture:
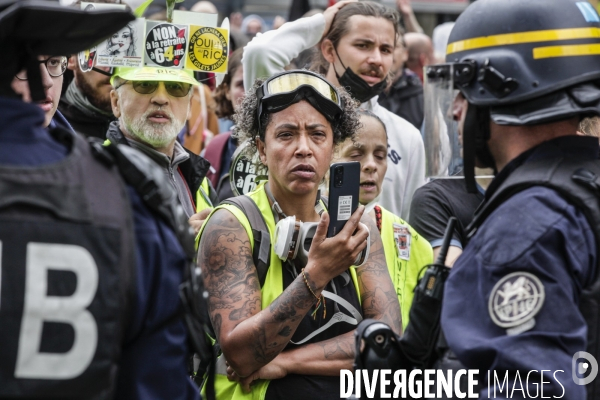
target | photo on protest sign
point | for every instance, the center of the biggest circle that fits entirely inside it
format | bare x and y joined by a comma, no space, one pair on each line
125,47
165,44
121,49
208,49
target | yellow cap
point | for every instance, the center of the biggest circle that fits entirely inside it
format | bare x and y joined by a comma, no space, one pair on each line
155,74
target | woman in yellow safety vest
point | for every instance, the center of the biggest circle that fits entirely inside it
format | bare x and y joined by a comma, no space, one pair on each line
406,252
289,336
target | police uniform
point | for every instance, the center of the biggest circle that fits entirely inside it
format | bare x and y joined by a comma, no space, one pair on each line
542,248
133,348
83,260
531,264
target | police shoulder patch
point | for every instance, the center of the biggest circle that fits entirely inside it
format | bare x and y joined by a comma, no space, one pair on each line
516,299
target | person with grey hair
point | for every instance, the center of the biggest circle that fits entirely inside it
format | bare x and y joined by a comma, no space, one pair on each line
152,106
253,24
291,337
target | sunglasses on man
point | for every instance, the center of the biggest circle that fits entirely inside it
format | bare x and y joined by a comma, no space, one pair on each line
175,89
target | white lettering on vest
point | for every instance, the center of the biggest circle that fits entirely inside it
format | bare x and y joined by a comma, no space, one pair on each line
39,307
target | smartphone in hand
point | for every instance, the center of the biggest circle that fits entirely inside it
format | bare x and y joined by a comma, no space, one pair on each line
344,187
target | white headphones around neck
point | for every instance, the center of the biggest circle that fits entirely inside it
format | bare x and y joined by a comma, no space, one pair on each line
294,238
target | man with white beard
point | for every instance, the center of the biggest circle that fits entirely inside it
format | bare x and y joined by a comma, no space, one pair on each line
152,106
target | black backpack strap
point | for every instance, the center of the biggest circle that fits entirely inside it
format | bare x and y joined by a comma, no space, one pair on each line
261,253
148,180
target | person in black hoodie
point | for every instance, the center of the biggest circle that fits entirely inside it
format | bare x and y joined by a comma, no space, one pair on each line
86,102
405,95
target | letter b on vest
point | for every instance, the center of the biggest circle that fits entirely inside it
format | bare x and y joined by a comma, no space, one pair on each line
40,307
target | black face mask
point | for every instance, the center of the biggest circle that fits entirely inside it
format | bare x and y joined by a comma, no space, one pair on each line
359,89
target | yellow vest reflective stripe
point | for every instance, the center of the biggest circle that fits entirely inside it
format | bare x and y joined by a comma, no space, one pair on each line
404,273
202,197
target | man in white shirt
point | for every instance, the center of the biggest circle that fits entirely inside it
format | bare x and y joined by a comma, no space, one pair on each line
356,51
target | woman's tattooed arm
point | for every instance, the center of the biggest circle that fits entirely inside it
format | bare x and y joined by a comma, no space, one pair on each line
250,337
378,296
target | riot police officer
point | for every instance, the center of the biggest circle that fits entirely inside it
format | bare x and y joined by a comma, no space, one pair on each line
527,72
90,266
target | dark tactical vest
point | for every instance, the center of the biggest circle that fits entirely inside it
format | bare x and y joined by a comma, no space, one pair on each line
579,183
66,276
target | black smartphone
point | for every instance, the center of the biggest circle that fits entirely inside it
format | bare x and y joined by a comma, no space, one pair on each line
344,187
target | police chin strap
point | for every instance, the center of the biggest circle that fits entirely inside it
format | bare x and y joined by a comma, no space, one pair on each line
34,79
476,133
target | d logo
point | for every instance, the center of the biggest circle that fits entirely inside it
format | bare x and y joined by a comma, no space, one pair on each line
580,367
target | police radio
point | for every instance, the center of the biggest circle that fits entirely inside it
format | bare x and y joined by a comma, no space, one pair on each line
377,347
432,283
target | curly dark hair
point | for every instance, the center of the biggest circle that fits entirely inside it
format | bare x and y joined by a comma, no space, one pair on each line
224,106
246,120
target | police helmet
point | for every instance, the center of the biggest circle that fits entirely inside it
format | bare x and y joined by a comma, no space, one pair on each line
543,55
518,62
29,28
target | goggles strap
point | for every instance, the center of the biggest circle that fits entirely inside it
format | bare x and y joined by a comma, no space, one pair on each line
355,319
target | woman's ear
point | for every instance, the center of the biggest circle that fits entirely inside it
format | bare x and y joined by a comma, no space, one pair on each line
227,91
260,145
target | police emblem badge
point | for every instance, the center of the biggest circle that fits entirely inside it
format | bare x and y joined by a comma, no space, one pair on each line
515,300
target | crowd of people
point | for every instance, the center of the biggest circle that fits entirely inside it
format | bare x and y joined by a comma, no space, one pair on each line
123,255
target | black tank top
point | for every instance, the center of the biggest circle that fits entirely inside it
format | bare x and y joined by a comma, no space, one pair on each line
314,386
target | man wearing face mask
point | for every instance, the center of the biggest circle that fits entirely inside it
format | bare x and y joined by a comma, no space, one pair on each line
357,41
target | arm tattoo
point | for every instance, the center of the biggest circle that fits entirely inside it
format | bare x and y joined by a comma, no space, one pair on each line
379,298
340,347
298,297
285,313
286,331
229,273
225,256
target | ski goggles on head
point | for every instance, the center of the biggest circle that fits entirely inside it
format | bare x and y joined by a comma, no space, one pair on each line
282,90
